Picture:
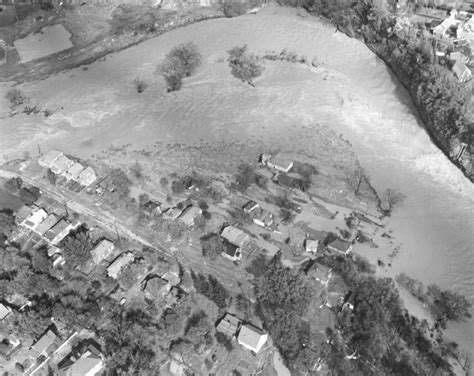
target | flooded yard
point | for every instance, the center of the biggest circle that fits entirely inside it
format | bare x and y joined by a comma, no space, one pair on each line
49,40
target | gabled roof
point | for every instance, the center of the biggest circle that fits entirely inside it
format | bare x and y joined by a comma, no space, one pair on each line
280,162
87,366
57,229
49,158
87,176
74,171
4,311
234,236
228,325
102,250
42,345
119,263
252,337
230,249
250,205
36,218
190,214
340,245
49,222
61,164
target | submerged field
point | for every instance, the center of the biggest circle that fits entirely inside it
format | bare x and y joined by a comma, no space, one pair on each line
215,122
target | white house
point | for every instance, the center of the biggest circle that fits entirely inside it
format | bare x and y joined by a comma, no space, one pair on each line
252,338
340,246
102,250
61,164
115,268
35,218
278,162
234,236
74,171
47,160
87,176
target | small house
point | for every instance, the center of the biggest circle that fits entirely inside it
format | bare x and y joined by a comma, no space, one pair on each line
61,165
52,250
74,171
102,251
47,160
232,252
317,271
59,231
87,176
4,311
35,218
43,345
116,267
262,217
49,222
250,206
234,236
292,180
442,29
311,246
156,287
228,325
461,71
85,360
252,338
277,162
340,246
189,215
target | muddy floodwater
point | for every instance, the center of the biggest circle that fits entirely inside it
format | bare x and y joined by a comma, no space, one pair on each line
49,40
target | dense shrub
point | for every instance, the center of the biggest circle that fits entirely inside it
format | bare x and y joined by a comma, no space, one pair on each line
232,8
29,195
13,185
182,61
244,66
16,96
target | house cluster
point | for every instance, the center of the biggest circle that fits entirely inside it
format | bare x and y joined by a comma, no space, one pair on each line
317,241
61,165
50,226
455,41
185,212
84,359
249,336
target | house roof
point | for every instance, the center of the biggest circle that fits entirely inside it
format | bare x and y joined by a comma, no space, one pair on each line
459,69
62,163
53,250
75,170
249,206
228,325
312,244
234,235
87,176
36,218
102,250
119,263
230,249
49,222
340,245
173,213
251,337
190,214
42,345
50,157
87,366
57,229
4,311
155,286
317,270
282,162
22,213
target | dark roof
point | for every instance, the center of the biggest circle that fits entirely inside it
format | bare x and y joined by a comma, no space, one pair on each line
230,249
341,245
56,229
49,222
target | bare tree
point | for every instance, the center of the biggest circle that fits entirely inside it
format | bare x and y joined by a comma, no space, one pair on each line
390,200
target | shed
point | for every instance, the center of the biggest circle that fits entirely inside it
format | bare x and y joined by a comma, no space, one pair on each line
189,215
280,163
340,246
250,206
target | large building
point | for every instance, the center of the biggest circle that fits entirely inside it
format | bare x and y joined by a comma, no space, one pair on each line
252,338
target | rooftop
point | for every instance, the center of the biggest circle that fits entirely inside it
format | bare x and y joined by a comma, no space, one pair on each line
228,325
49,222
252,337
119,263
42,345
234,236
50,157
4,311
57,229
340,245
75,170
190,214
102,250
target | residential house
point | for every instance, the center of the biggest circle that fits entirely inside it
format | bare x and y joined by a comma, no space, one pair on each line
292,180
85,360
317,271
228,325
59,231
47,160
52,250
35,218
262,217
74,171
311,246
278,162
444,27
252,338
250,206
49,222
4,311
340,246
189,215
234,236
87,176
102,250
156,287
61,165
115,268
232,252
314,239
461,71
43,345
